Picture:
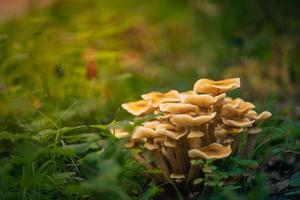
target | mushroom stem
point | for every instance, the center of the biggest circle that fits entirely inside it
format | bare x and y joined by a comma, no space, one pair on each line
235,145
161,162
169,154
212,126
250,144
194,138
143,162
206,139
156,177
195,143
193,173
183,147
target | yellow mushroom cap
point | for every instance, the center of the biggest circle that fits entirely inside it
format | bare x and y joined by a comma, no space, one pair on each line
166,126
212,151
228,110
119,133
234,130
156,98
170,144
151,146
216,87
159,139
177,177
220,132
187,120
202,100
138,108
178,108
251,114
234,102
240,123
254,130
151,124
258,118
195,134
143,132
173,134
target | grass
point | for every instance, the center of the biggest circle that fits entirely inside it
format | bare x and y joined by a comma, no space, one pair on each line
55,110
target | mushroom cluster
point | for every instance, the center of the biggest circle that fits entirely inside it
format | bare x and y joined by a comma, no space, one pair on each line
199,124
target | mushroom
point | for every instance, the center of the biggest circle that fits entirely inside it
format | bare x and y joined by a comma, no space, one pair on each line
143,132
173,140
241,123
202,100
250,141
138,108
156,98
178,108
229,110
252,132
151,124
252,115
216,87
202,123
181,120
151,146
171,132
232,136
119,133
212,151
194,138
220,134
177,177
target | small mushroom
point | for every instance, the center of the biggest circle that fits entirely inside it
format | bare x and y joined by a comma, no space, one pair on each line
216,87
241,123
120,133
212,151
220,134
151,146
156,98
151,124
177,177
250,141
233,130
181,120
194,138
172,143
173,134
202,100
178,108
258,118
229,110
143,132
138,108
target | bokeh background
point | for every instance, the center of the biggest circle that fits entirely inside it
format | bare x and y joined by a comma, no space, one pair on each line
77,61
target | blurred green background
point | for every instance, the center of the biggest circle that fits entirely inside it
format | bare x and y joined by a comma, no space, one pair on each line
74,62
